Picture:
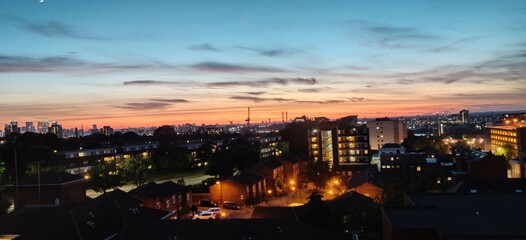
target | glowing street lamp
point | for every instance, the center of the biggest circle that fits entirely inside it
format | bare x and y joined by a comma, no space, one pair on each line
220,192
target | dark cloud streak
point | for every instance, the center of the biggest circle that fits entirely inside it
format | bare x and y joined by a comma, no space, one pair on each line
265,82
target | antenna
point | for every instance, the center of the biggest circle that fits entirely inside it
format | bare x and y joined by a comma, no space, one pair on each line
248,118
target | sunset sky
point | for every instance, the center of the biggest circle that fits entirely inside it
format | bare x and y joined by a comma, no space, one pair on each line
149,63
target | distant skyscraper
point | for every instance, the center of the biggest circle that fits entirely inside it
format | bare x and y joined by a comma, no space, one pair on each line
94,129
43,127
464,116
107,130
385,130
56,129
12,127
30,127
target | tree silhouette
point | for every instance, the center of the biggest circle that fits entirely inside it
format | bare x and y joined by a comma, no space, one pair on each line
104,176
137,170
43,159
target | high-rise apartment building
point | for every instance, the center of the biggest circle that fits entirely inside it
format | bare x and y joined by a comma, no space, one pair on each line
30,127
56,129
464,116
107,130
345,147
385,130
12,127
43,127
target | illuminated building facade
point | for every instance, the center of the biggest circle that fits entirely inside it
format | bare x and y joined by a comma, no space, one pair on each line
345,148
510,135
56,129
464,116
385,130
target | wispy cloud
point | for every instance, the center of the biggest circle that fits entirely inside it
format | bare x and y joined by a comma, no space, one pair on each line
510,67
53,29
258,99
232,68
145,106
17,64
274,52
255,93
315,90
203,47
323,102
173,100
356,99
454,44
390,36
149,83
265,82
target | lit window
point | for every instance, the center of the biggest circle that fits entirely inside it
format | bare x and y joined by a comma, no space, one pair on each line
418,169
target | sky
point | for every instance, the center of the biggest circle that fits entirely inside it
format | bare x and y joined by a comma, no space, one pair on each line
148,63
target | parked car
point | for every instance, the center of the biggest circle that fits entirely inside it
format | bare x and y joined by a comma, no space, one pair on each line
204,215
231,205
207,203
215,210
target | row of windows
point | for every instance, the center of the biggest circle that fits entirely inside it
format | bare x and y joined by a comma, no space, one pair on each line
502,132
418,168
507,139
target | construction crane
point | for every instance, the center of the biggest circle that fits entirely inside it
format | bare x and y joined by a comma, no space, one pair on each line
248,118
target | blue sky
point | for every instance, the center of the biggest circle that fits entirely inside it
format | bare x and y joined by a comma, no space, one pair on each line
134,63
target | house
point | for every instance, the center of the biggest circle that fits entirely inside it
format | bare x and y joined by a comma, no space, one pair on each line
52,188
101,218
369,190
243,188
456,216
273,171
291,170
228,229
167,196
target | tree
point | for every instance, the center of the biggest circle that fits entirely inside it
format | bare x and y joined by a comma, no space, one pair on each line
43,159
137,170
318,173
4,201
104,176
220,165
319,211
283,146
364,218
164,130
206,151
242,153
508,151
170,157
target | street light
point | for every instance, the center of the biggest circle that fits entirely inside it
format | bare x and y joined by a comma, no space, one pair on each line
220,192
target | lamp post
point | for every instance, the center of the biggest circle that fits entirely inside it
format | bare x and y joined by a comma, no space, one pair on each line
220,192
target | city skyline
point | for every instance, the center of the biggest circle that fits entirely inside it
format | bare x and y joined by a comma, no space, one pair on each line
129,64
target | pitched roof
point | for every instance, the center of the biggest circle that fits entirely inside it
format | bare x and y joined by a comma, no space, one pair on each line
118,195
283,213
392,145
272,164
22,220
162,190
51,178
505,185
228,229
468,215
98,220
247,177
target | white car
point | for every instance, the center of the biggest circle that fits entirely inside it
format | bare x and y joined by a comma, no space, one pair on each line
204,215
215,210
